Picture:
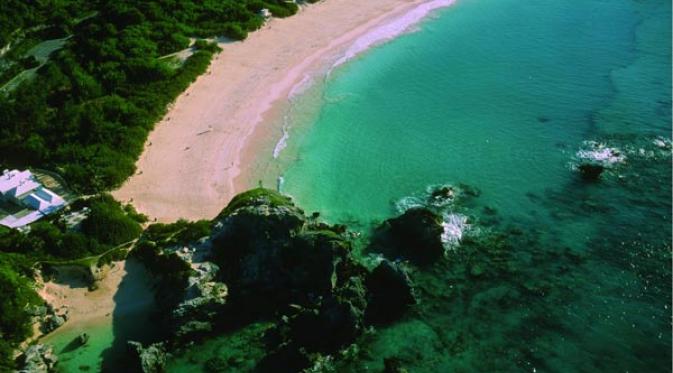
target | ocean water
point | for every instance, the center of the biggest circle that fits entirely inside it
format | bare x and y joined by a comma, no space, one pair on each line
507,96
106,349
544,272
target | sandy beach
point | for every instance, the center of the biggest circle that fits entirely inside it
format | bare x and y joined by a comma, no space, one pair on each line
123,290
192,159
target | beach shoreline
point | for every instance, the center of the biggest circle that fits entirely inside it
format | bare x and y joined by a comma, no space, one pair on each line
88,308
195,159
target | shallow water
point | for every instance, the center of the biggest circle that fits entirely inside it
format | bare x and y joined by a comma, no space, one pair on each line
501,95
553,274
106,349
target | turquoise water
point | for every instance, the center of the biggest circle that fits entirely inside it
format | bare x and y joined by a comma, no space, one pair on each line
105,351
554,274
500,95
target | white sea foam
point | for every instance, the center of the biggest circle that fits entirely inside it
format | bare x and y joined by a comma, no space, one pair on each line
282,142
300,87
390,30
662,143
408,203
600,153
455,226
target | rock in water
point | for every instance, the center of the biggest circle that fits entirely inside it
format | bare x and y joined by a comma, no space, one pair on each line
83,339
38,359
390,293
150,359
417,235
442,194
590,171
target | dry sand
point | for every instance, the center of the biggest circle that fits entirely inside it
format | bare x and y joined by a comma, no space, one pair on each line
193,157
98,306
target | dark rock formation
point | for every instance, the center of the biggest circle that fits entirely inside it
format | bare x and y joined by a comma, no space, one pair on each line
83,339
38,359
204,299
591,171
279,264
51,323
390,293
270,256
415,235
150,359
442,194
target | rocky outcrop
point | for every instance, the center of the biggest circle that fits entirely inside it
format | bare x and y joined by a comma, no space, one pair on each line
270,256
415,235
150,359
51,323
391,293
203,301
38,359
326,327
279,264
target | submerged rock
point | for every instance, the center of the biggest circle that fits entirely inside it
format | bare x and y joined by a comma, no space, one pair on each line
336,323
38,359
442,195
390,293
150,359
591,171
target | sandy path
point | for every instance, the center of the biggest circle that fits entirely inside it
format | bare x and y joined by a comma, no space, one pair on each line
193,156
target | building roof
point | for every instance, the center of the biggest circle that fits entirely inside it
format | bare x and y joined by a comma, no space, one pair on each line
16,183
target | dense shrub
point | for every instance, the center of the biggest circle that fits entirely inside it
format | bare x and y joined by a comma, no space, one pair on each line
15,322
89,110
109,224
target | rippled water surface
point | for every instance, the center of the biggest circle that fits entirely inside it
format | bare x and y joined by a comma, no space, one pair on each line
507,97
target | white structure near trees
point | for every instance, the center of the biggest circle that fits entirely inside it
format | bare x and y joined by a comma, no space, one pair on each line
21,188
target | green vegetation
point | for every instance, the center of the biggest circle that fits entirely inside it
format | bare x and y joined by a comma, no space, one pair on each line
18,16
17,294
180,232
171,272
257,196
91,85
89,109
51,242
108,223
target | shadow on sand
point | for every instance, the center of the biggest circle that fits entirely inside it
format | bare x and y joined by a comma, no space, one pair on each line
131,318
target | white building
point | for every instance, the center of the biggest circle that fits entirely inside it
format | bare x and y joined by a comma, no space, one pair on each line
21,188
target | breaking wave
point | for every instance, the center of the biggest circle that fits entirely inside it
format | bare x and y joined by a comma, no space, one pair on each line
390,30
